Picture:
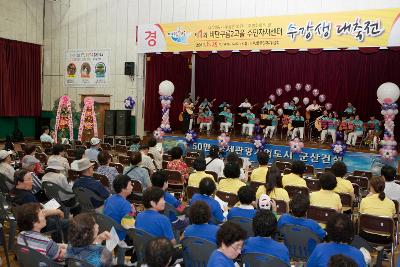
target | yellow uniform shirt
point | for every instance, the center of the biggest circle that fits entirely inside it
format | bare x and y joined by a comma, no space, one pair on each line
372,205
343,186
230,185
277,193
259,174
196,177
293,179
326,199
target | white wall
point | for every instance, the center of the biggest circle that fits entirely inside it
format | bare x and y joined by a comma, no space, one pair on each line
22,20
73,24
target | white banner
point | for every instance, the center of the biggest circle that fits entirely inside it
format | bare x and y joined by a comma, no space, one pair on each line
87,68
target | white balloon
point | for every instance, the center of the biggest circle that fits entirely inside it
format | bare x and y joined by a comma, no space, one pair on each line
388,93
285,105
280,111
296,99
306,100
166,88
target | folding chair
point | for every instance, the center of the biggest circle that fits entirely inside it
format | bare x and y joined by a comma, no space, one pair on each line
320,214
137,192
189,161
282,206
309,170
121,149
124,160
362,181
118,166
85,197
313,184
347,201
176,182
71,152
190,191
245,223
42,157
28,257
293,190
214,175
53,190
260,260
140,239
192,154
197,251
231,198
367,174
102,179
287,171
106,147
282,165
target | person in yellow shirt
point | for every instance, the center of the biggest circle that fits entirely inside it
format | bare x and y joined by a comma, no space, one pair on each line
295,178
273,187
195,178
377,204
326,197
259,174
339,169
231,183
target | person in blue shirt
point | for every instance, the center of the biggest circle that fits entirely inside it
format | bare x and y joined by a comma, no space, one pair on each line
299,206
150,220
340,260
230,239
86,180
340,231
117,206
200,214
207,188
264,225
247,198
160,180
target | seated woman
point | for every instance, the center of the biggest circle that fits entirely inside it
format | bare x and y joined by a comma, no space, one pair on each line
104,159
231,183
326,197
199,165
31,221
230,238
135,172
58,154
6,168
214,163
247,198
85,241
177,163
159,252
200,215
377,204
295,177
273,187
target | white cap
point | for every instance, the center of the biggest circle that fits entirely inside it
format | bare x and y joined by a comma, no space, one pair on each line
94,141
4,154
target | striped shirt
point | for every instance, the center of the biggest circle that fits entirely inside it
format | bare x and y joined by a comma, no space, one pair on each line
40,243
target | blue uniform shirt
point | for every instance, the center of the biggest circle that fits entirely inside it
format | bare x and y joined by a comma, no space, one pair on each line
171,200
308,223
155,224
117,207
266,245
239,212
216,211
205,231
218,259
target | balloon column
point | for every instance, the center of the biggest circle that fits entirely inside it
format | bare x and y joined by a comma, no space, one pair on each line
191,137
388,93
165,89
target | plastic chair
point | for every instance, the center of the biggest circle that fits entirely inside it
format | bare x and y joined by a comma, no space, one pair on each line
261,260
362,181
300,241
313,184
72,262
85,197
28,257
124,160
320,214
347,201
140,239
367,174
176,182
197,251
42,157
282,206
283,165
309,169
294,190
118,166
231,198
245,223
53,190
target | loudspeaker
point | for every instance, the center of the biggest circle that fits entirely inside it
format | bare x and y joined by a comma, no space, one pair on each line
130,68
123,124
109,122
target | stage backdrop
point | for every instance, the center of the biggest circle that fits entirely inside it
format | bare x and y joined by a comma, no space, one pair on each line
343,76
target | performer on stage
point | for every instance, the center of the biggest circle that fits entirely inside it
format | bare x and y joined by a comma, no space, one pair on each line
224,126
292,106
313,111
245,104
374,131
350,126
268,106
332,125
187,113
205,119
358,131
250,123
350,110
294,119
274,122
313,107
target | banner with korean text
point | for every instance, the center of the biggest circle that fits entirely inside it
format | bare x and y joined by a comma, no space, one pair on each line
87,68
367,28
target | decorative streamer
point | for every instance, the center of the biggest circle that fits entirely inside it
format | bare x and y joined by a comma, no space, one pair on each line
88,118
64,117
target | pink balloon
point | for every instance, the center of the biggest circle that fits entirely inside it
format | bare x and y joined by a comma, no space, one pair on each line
322,98
298,86
272,98
307,87
328,106
288,87
279,91
315,92
306,100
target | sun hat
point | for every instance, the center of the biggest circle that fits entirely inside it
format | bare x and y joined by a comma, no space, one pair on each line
81,165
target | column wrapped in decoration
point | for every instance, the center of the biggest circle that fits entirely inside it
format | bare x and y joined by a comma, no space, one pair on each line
64,119
88,118
165,89
388,93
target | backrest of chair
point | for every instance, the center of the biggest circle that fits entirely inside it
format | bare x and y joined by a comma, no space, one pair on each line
245,223
164,164
231,198
167,157
106,146
347,200
72,175
192,154
190,191
293,190
118,166
197,251
396,205
287,171
319,214
282,165
367,174
189,161
137,186
67,146
28,257
300,240
309,169
85,197
105,222
356,188
102,179
3,186
124,160
71,152
362,181
140,239
174,177
214,175
281,206
259,259
71,262
70,159
313,184
256,185
121,148
46,145
78,142
42,157
376,224
52,190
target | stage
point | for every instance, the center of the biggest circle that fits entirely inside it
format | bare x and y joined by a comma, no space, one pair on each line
317,155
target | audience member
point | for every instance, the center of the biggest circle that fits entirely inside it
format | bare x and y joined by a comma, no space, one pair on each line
58,154
177,163
230,238
341,261
157,155
159,253
392,189
135,144
259,174
200,215
6,168
79,153
86,180
247,198
135,172
207,189
214,163
160,226
45,137
326,197
199,165
104,159
231,183
147,162
92,152
273,185
31,151
29,163
295,177
299,205
31,220
233,157
340,234
339,169
85,241
264,226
